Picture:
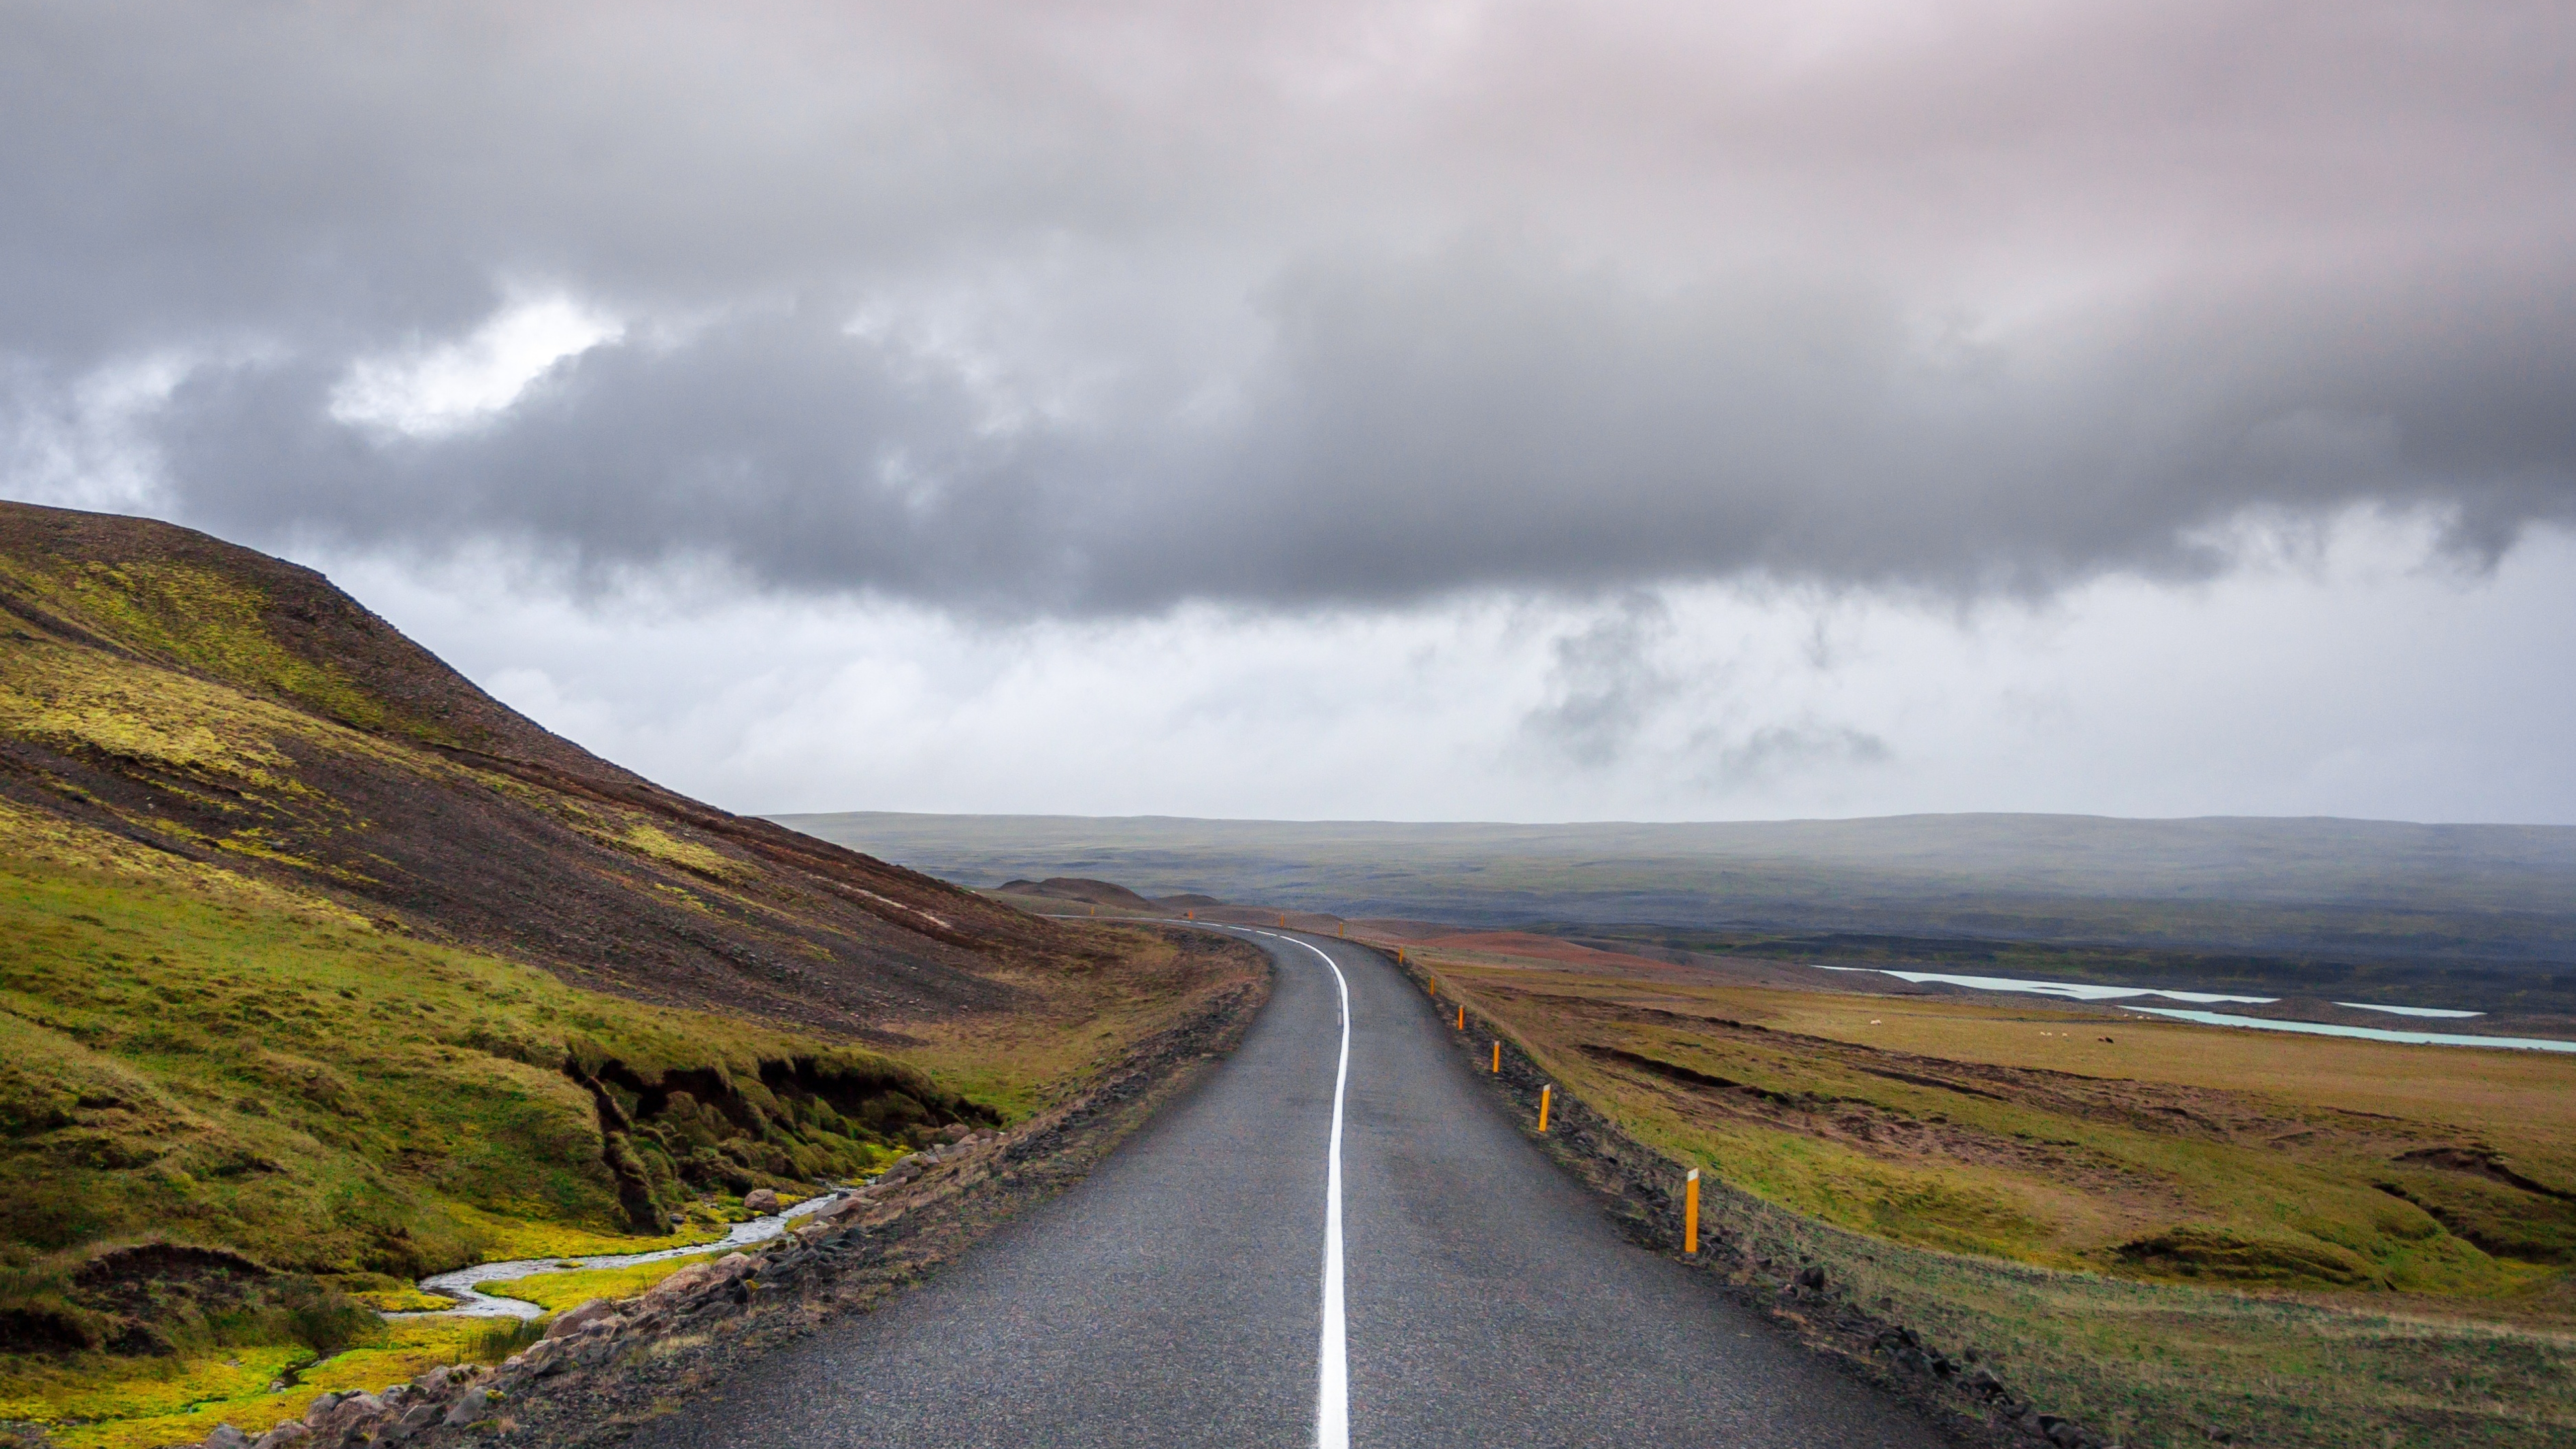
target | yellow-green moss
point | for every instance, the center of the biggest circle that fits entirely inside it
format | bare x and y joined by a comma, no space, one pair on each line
199,619
555,1292
101,1402
687,854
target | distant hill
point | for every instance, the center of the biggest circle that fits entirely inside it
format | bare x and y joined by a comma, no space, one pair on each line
1075,888
2346,888
311,949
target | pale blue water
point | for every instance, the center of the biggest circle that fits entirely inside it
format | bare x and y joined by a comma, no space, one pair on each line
2366,1033
2409,1010
2073,990
2125,996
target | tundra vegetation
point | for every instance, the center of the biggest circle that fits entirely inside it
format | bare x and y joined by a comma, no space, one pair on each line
324,971
2170,1233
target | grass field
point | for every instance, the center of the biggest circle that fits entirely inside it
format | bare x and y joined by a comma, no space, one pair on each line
2160,1228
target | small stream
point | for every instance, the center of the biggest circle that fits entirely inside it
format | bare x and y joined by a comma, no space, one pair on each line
464,1284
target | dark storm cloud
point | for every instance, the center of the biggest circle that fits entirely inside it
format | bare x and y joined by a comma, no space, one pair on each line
1117,306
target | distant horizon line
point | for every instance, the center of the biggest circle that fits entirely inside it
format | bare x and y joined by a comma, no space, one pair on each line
1764,820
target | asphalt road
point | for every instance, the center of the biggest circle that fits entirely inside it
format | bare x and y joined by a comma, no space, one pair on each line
1180,1295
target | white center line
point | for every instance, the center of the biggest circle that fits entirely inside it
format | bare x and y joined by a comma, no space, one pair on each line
1333,1393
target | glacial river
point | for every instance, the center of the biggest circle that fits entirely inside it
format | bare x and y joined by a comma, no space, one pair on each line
2126,998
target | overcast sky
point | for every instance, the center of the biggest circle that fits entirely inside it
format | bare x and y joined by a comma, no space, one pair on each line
1412,410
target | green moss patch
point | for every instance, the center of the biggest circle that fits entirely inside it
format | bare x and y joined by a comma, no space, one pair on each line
555,1292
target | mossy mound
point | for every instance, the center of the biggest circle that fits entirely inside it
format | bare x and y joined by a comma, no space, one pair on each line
2231,1255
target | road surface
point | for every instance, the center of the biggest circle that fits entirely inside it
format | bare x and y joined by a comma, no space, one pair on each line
1186,1292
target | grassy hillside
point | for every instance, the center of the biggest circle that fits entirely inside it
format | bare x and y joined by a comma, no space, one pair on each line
326,1096
320,970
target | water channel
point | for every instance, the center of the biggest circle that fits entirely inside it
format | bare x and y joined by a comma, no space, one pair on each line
464,1284
2126,998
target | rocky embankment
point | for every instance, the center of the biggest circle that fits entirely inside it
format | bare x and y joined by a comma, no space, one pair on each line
607,1364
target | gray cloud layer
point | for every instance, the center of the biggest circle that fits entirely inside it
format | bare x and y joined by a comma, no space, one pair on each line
1120,305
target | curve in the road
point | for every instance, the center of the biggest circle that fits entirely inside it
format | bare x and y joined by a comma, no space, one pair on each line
1172,1297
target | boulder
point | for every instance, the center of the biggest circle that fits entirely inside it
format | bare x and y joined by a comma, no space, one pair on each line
470,1405
545,1356
760,1200
226,1436
572,1320
348,1414
678,1286
954,1132
320,1409
290,1432
414,1419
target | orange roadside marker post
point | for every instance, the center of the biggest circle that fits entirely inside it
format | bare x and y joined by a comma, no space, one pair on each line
1498,1058
1690,1212
1283,920
1193,915
1462,1018
1543,1093
1337,929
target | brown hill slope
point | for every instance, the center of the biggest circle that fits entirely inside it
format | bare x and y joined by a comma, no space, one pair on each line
222,706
